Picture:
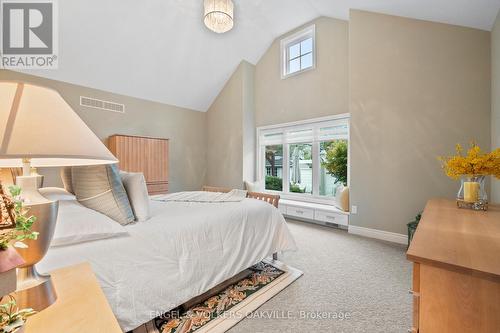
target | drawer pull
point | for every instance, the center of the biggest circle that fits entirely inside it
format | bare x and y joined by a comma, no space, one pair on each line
331,217
299,211
416,294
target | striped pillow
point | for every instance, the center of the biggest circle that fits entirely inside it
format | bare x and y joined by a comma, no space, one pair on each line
100,188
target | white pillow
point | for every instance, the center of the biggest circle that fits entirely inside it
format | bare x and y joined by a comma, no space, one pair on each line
77,224
56,193
256,186
137,192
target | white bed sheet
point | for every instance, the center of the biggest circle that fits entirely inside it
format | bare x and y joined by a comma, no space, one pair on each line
185,249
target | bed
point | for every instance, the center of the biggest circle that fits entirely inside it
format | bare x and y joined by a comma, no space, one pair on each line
182,251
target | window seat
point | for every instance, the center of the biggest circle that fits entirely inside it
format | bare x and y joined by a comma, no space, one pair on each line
313,212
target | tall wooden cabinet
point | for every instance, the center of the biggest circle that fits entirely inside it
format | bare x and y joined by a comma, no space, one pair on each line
456,270
143,154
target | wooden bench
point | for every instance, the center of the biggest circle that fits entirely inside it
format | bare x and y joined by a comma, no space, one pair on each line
269,198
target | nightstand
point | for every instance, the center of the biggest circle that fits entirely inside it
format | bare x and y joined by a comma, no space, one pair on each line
80,307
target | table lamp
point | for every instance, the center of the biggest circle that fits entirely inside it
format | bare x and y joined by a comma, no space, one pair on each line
39,129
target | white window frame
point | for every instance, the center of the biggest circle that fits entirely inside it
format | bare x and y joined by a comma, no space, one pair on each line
285,128
309,32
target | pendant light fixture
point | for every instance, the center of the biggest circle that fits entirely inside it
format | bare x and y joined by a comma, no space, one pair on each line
219,15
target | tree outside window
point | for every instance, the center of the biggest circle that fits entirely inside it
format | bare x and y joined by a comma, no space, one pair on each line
274,167
334,160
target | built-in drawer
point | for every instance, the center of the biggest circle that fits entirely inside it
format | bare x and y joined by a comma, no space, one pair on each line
301,212
331,217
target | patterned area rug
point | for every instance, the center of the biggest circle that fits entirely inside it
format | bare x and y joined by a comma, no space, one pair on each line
222,311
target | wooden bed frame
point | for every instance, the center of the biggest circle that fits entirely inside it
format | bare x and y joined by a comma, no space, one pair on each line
273,199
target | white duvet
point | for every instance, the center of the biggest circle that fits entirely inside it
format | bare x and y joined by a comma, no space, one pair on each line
185,249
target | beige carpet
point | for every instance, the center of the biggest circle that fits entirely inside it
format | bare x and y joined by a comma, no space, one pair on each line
367,280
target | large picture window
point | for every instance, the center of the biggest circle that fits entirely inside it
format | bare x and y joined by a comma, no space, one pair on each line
307,159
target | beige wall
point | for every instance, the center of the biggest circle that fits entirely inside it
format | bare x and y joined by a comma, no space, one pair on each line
186,129
229,127
416,89
248,119
316,93
495,100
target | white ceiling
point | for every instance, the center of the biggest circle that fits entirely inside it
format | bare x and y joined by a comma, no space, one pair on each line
160,50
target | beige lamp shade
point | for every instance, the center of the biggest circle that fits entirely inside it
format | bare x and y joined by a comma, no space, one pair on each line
36,123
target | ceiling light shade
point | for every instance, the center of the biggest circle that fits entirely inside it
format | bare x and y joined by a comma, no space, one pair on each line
219,15
37,124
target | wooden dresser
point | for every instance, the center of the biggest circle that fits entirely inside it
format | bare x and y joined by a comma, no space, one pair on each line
143,154
456,270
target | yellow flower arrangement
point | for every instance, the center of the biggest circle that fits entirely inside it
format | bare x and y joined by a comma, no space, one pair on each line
475,163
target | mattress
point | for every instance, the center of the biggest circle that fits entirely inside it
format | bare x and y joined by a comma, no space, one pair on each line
185,249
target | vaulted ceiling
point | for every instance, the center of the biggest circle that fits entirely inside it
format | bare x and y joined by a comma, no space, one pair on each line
160,50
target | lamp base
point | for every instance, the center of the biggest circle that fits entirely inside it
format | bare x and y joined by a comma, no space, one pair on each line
34,290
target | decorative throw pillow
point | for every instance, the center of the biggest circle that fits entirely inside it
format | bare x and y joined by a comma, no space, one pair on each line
100,188
66,179
256,186
137,192
77,224
342,198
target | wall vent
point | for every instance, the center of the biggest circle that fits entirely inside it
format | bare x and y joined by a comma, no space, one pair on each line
102,105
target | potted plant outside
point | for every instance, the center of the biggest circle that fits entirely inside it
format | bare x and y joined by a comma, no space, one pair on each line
335,161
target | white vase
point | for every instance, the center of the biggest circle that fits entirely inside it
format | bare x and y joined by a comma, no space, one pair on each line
477,197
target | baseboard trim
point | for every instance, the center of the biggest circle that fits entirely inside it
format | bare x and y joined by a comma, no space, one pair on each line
379,234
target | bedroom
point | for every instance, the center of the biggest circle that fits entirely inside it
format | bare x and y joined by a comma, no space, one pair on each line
390,87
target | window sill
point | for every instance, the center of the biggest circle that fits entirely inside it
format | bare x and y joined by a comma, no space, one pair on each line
286,76
305,198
